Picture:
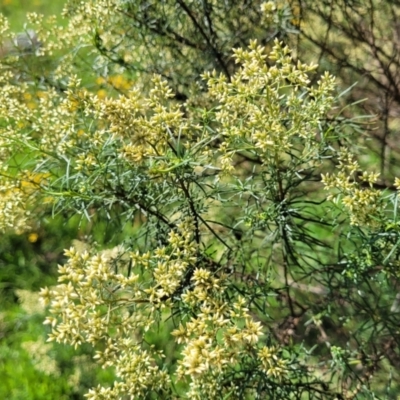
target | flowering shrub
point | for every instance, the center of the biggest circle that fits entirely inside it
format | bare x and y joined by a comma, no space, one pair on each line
235,278
150,152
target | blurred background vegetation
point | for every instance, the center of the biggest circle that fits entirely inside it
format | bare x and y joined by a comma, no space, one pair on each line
357,40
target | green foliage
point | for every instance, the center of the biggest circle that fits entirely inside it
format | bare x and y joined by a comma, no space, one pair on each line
32,369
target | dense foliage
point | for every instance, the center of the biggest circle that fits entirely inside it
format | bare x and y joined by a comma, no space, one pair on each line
224,239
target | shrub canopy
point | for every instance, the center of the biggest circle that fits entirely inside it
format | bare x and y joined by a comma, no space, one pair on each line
232,247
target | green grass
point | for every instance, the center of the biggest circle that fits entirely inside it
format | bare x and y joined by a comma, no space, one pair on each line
16,10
